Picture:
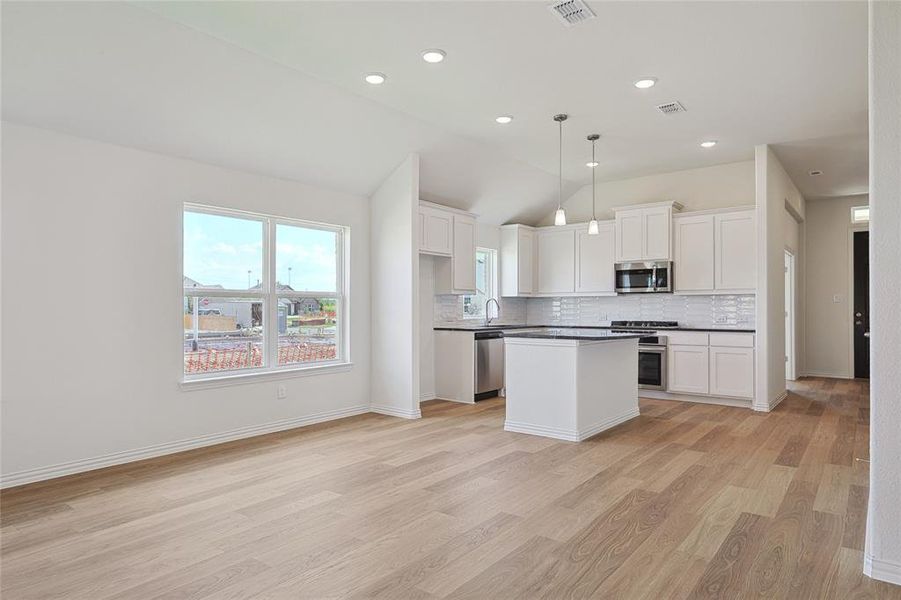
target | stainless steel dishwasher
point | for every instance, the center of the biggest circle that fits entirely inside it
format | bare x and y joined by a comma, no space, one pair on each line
489,364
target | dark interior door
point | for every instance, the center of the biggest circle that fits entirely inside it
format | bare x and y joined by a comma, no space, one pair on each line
861,304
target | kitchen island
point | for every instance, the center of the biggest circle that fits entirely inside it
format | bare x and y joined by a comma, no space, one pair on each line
570,384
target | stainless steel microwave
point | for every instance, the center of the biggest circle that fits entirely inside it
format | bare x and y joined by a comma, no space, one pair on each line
644,277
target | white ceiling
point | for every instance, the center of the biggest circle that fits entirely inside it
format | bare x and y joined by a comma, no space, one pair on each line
843,160
284,96
747,72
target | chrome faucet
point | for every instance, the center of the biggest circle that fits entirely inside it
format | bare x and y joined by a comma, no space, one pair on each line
488,318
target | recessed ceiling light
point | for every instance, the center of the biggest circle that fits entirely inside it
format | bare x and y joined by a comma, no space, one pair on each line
708,144
591,164
645,83
375,78
433,55
815,173
503,119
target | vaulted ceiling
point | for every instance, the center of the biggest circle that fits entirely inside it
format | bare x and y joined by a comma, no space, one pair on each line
276,87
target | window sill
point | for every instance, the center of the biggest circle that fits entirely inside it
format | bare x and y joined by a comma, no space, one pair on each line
218,381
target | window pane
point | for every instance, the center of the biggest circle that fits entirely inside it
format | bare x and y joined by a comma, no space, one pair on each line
474,305
307,330
860,214
306,258
222,334
222,252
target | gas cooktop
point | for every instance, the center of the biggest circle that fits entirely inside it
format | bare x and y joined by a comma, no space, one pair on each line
645,324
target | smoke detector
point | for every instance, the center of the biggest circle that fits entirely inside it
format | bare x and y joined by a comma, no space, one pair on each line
669,108
571,12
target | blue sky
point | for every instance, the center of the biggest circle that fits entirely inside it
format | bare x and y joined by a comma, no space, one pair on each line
221,250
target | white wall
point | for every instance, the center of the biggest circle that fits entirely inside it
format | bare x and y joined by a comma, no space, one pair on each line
92,305
794,233
394,266
827,258
883,545
426,327
719,186
774,190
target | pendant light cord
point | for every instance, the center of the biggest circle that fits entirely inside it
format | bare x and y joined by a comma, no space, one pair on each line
560,167
593,179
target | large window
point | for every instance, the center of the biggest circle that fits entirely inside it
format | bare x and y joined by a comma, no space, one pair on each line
486,285
261,293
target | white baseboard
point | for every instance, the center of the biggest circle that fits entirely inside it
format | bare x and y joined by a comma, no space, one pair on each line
827,375
426,396
720,400
771,404
606,424
393,411
127,456
569,435
883,570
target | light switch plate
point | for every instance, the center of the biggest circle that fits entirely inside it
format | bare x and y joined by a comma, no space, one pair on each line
837,299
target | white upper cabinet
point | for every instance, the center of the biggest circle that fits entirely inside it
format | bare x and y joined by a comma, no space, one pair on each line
436,231
715,252
451,235
693,253
556,261
656,226
629,236
517,259
594,260
643,232
464,258
735,251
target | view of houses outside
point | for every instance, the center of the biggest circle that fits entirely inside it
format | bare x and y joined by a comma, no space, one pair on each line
227,333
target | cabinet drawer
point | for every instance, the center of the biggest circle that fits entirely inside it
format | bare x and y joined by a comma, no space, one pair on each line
687,338
732,340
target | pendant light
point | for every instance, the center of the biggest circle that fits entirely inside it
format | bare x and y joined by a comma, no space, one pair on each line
593,224
560,215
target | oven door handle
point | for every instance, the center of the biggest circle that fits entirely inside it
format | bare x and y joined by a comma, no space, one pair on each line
654,349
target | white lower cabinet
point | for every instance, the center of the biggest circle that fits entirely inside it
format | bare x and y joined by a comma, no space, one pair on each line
732,371
719,364
687,369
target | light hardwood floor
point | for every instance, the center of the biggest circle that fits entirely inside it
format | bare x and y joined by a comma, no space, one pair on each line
687,501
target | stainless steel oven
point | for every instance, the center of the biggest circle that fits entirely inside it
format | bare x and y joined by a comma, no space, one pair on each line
652,363
651,351
644,277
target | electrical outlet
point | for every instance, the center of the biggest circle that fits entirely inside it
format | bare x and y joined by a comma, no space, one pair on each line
281,391
837,299
720,319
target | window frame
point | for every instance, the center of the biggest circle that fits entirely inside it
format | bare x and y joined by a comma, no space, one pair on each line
492,274
269,296
855,220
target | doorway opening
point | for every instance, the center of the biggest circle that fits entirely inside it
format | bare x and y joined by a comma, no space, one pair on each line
860,284
790,372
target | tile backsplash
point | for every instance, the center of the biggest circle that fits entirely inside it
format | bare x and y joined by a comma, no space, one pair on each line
449,310
690,311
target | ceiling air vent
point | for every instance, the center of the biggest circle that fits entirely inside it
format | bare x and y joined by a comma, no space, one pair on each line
669,108
571,12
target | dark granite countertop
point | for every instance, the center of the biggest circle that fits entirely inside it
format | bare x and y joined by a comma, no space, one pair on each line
573,333
499,327
475,328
